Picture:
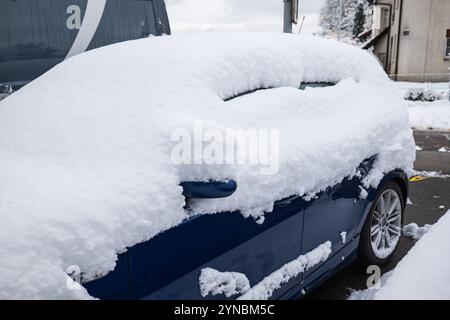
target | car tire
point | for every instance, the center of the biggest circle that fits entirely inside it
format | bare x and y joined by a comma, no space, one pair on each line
368,252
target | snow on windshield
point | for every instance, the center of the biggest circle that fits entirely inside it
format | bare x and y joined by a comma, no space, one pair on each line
86,168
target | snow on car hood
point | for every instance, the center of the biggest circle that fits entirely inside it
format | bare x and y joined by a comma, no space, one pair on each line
85,150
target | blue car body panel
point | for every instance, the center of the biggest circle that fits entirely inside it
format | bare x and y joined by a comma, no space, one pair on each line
168,266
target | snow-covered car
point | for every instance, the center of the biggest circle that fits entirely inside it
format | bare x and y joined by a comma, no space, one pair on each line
93,189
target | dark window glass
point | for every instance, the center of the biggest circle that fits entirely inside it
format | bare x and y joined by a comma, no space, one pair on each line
447,48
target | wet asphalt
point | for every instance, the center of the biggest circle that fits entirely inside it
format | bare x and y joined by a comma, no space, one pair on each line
426,196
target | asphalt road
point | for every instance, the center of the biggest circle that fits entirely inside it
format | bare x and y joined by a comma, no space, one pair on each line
426,197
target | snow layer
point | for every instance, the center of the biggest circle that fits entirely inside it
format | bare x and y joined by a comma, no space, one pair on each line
227,283
264,290
86,171
423,272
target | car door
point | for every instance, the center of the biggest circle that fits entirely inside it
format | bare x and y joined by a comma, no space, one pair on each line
34,37
169,266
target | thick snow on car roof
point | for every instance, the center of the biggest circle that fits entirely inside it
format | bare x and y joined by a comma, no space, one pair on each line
86,168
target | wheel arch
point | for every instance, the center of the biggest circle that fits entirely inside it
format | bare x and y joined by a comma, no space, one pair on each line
398,176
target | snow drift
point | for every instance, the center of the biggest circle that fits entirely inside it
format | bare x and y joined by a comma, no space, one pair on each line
85,166
423,272
265,289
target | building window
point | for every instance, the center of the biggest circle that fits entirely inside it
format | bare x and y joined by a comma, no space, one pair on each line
447,45
384,18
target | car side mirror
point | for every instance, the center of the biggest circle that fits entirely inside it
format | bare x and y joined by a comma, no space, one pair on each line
208,190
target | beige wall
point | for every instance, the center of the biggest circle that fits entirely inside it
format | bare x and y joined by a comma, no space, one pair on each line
422,51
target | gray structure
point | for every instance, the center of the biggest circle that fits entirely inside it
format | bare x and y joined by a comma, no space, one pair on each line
411,38
35,35
290,15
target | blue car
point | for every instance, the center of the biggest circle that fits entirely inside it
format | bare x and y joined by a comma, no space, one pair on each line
205,166
367,230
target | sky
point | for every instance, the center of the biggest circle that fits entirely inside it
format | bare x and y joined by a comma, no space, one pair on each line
238,15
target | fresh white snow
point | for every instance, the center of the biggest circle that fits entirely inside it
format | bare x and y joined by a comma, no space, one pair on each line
214,282
363,193
431,174
412,230
428,115
423,272
86,170
343,235
265,289
229,284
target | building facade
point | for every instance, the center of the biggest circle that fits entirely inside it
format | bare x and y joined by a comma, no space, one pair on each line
411,38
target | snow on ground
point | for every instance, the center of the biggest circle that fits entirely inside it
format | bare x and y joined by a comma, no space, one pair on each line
86,169
412,230
423,272
431,174
439,89
264,289
428,115
3,96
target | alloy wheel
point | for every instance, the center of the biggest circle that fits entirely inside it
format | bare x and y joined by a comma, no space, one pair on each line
386,224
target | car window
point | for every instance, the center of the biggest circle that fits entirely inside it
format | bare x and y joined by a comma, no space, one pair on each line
303,86
244,94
